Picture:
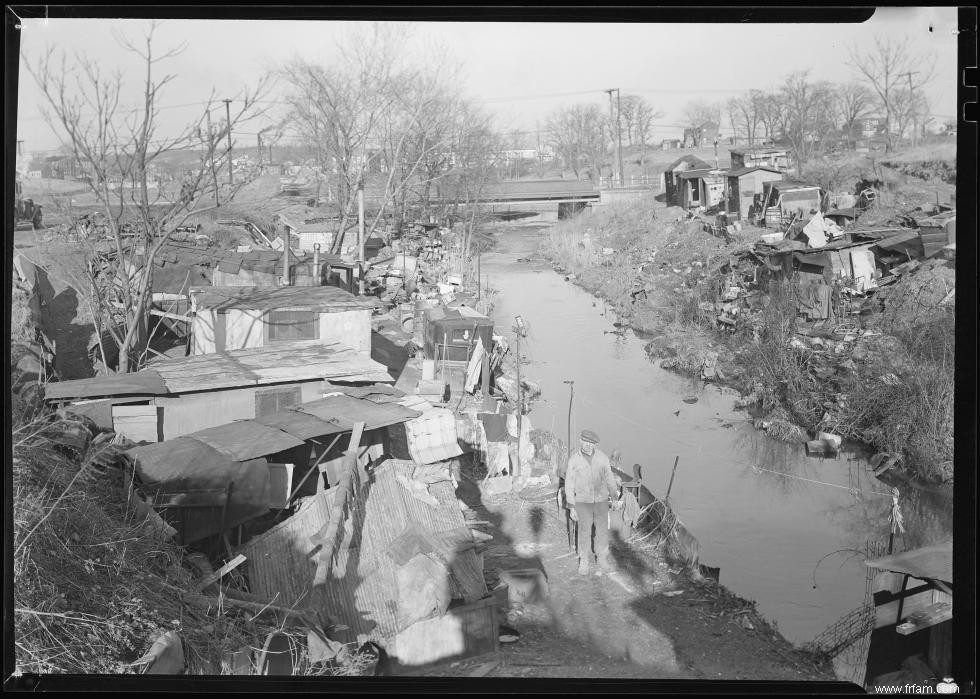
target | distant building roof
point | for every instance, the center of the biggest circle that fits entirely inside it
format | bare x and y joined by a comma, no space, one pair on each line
702,173
755,150
315,298
751,168
691,160
277,363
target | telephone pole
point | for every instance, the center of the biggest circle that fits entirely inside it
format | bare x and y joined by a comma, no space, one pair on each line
231,177
619,142
915,120
610,93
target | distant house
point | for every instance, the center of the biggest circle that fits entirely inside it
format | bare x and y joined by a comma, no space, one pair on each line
744,187
700,188
697,136
673,171
670,144
174,397
768,156
236,317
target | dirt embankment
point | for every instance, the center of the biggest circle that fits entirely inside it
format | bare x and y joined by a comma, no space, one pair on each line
868,377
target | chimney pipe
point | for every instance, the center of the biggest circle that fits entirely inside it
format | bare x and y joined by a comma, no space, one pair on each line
316,265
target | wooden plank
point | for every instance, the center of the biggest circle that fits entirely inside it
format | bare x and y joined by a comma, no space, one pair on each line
220,573
280,484
924,618
172,316
137,422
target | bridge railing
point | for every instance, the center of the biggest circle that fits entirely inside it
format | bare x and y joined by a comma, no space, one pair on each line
633,181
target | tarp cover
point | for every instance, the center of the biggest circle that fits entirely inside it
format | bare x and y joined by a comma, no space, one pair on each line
183,465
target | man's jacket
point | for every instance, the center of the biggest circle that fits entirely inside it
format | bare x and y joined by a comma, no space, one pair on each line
590,479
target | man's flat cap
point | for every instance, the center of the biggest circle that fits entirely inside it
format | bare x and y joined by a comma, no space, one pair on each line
590,436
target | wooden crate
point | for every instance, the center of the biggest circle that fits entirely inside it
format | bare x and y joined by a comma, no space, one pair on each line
463,631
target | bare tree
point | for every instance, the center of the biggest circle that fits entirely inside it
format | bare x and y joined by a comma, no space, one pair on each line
808,116
338,109
746,114
119,148
772,114
580,133
910,110
853,101
699,114
889,68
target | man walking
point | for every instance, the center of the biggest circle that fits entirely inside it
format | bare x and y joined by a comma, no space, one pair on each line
589,487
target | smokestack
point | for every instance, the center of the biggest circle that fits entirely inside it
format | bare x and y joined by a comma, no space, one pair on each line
316,264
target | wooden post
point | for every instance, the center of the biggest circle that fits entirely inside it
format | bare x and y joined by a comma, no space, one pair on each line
671,484
360,237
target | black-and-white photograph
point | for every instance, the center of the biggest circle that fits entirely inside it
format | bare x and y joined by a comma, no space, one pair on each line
497,351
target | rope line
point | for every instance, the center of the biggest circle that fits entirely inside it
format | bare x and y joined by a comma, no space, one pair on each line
833,485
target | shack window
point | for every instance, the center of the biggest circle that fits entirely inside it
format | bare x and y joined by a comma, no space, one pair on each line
272,400
289,326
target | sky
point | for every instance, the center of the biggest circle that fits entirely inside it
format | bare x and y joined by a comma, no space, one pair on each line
520,71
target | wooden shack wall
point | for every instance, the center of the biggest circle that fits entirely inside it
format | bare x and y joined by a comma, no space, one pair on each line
191,412
243,329
202,332
352,328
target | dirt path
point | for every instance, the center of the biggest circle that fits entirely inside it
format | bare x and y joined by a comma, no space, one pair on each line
642,621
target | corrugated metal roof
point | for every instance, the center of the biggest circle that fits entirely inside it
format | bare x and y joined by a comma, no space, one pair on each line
927,563
315,298
246,439
146,382
347,410
751,168
361,590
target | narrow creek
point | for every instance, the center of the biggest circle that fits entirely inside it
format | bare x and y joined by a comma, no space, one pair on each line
769,516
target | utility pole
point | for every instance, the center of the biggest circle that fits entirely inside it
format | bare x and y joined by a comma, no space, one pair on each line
360,237
610,93
619,142
915,120
211,147
231,179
